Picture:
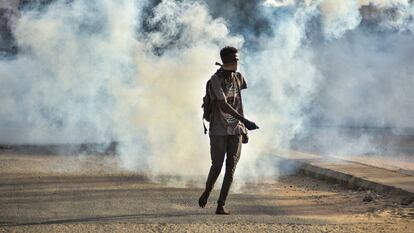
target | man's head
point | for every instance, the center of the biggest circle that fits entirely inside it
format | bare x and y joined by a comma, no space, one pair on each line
229,57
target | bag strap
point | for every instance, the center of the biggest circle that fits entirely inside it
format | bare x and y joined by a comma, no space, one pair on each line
238,80
204,125
207,93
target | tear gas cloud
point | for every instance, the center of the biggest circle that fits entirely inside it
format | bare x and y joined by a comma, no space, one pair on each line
135,72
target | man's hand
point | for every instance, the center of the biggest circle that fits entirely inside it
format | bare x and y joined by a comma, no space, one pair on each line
250,125
245,138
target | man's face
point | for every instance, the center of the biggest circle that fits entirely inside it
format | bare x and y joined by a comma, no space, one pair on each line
234,64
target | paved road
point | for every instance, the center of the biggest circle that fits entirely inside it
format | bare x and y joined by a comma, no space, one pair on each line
134,204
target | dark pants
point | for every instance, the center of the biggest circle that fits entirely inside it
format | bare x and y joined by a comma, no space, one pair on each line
219,147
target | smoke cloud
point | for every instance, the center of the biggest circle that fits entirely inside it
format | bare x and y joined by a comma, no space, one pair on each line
135,72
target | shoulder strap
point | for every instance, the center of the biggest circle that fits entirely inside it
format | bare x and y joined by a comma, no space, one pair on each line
205,128
210,97
238,80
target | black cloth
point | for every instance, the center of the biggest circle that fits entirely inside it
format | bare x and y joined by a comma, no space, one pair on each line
222,146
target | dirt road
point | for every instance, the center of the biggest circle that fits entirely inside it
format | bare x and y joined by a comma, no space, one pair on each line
132,204
34,199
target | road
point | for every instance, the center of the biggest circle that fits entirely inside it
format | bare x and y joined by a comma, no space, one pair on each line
133,204
102,202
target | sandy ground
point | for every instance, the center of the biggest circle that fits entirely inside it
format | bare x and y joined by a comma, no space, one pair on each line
97,200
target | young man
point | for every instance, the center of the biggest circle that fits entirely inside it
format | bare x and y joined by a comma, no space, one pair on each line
228,127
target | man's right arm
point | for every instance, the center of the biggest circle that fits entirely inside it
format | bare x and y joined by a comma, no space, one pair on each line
227,108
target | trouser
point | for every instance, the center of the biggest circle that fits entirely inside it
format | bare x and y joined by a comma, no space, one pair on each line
229,145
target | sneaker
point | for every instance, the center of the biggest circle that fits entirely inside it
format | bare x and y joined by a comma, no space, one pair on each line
202,201
222,210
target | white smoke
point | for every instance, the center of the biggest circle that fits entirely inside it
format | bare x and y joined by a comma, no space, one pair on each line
168,113
384,3
278,3
339,16
101,71
282,79
353,77
87,73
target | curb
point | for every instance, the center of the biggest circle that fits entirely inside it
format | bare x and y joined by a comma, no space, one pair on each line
350,181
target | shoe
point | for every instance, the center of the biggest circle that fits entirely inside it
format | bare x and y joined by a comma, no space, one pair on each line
202,201
222,210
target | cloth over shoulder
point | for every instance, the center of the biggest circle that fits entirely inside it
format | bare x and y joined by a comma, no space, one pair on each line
226,85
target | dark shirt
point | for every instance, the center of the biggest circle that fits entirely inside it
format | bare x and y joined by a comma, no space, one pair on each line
227,85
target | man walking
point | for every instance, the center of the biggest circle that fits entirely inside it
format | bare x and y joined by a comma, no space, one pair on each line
228,127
